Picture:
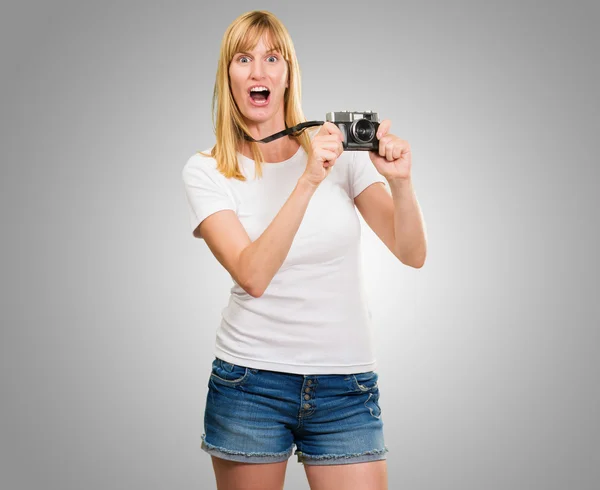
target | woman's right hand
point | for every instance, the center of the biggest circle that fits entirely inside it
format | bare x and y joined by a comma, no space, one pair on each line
327,146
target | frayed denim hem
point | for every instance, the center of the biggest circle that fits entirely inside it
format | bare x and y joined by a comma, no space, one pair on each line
243,457
329,459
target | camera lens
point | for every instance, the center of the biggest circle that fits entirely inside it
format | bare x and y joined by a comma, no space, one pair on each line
363,130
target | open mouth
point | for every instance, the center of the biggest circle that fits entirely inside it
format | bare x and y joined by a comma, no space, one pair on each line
260,97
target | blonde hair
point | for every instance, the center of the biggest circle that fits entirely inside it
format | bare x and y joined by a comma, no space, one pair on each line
242,35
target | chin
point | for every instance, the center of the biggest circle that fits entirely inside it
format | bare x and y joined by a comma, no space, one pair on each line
259,116
258,119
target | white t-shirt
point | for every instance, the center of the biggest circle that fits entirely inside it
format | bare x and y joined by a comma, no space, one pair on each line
314,317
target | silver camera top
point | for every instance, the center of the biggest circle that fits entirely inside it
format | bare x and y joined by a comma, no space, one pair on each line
350,116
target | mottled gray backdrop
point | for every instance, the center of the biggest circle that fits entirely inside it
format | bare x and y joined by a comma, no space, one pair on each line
488,355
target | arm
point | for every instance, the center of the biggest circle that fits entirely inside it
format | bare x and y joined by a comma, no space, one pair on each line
254,264
409,228
261,260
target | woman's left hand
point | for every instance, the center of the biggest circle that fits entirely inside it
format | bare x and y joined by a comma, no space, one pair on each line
394,159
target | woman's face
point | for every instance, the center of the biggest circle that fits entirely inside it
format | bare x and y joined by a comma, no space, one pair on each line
259,69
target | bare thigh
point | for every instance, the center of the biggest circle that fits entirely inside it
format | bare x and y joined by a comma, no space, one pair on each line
370,475
233,475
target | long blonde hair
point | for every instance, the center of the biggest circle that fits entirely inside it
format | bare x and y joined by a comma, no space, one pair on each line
242,35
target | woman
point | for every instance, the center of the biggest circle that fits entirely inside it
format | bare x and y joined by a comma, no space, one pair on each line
294,363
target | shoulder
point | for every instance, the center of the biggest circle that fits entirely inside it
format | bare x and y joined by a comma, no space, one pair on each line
199,163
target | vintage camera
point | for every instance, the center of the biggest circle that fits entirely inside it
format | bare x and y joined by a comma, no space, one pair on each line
358,127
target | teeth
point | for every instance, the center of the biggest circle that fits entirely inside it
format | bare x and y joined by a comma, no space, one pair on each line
258,89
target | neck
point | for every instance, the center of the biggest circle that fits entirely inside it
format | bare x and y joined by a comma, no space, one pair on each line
275,151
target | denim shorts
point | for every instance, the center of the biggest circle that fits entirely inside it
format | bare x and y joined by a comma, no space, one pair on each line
258,416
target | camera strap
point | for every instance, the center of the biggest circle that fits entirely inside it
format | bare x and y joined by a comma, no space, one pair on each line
293,130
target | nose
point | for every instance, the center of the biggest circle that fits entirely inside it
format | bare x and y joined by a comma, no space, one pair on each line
257,70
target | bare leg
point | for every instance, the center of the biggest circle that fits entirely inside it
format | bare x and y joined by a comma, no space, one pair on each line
370,475
233,475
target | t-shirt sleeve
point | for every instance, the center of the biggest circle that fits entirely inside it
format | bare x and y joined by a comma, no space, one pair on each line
363,173
204,191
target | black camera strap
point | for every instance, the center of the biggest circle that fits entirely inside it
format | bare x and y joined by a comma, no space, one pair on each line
293,130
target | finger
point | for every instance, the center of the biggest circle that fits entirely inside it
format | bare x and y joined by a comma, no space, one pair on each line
330,128
397,152
324,155
382,146
389,152
383,129
329,137
332,145
331,142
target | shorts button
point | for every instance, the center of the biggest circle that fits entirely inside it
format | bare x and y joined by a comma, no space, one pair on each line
306,405
307,397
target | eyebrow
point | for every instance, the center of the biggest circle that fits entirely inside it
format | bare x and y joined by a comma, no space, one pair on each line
266,52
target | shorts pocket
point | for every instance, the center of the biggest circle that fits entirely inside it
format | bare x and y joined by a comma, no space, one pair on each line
364,382
227,373
372,404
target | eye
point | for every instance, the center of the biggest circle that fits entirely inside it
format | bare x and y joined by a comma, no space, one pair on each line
241,58
273,56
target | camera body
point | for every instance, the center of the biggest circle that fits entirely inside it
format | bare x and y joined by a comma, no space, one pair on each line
358,127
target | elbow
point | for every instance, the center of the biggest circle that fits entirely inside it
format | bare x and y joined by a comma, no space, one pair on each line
414,258
418,265
248,280
252,289
415,263
254,292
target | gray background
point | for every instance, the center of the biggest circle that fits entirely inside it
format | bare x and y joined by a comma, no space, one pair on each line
487,355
